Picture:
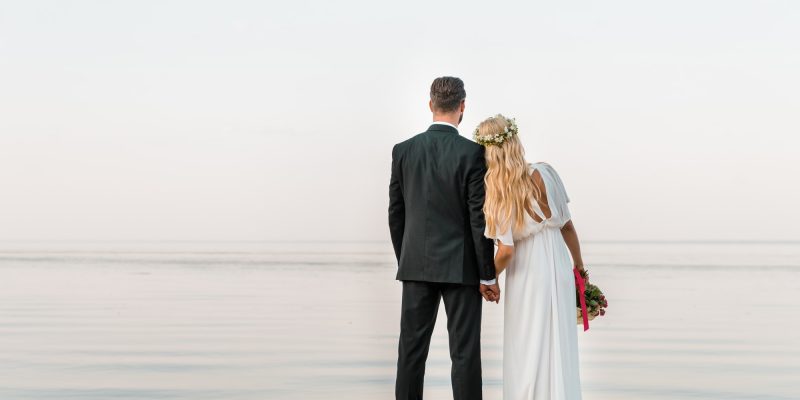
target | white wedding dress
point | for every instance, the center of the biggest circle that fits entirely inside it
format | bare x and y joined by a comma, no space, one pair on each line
540,349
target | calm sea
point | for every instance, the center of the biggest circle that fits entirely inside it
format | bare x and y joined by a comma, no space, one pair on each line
256,320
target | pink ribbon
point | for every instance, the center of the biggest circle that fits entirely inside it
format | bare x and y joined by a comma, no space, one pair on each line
582,290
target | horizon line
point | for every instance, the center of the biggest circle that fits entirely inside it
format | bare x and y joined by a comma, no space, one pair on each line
609,241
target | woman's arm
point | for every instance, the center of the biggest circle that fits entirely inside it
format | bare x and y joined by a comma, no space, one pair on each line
570,236
503,257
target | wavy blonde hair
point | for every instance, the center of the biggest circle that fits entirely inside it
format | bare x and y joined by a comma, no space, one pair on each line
509,187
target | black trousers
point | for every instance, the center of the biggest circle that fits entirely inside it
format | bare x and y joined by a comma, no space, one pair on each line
418,315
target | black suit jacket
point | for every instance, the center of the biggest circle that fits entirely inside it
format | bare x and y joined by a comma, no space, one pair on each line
436,217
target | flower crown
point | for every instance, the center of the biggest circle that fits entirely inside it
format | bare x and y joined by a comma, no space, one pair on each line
498,138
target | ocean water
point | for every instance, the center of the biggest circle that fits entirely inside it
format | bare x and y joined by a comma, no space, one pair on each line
257,320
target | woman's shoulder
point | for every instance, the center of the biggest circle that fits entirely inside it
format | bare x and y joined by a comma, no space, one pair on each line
537,169
544,173
540,164
543,168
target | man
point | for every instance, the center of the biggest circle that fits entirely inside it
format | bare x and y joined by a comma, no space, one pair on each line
437,225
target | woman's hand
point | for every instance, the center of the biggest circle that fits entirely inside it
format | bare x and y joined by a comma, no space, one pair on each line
582,271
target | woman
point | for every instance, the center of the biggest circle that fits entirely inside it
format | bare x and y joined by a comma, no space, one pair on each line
527,215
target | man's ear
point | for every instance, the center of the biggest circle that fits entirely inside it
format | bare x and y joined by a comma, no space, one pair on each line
430,105
463,105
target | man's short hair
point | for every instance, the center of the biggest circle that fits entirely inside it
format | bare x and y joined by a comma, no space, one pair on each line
447,93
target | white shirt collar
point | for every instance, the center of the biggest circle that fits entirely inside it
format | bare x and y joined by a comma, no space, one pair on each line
444,123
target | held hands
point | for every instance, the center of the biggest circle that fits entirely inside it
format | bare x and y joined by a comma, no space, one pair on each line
491,292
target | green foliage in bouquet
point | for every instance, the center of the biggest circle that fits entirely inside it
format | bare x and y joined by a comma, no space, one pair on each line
596,302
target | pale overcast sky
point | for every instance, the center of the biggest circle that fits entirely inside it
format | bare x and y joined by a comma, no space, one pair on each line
254,120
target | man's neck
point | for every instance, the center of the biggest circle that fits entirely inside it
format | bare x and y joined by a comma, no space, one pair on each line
445,124
452,120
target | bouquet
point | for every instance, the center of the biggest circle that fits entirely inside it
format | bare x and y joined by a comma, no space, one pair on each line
596,302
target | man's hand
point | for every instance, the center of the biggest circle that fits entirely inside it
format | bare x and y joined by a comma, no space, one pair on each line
491,292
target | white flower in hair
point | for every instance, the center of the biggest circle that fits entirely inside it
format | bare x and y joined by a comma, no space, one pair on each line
498,138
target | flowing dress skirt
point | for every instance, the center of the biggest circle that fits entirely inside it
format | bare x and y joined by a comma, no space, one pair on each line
540,349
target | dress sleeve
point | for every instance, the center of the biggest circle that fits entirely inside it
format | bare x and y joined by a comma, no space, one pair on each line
505,238
557,197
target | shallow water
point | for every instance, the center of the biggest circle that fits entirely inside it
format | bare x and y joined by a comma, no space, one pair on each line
183,320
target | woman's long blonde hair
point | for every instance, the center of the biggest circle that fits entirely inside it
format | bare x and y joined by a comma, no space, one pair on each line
509,187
